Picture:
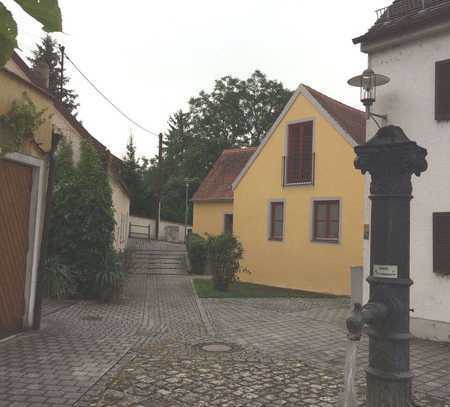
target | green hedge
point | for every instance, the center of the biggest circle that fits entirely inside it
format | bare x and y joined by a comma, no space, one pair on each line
197,248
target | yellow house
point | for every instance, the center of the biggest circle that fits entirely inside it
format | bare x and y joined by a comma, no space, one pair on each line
23,188
213,200
298,202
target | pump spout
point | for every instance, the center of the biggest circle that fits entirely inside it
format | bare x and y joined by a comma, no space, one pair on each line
371,313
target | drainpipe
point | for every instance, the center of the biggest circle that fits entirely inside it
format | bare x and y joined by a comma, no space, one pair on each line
43,251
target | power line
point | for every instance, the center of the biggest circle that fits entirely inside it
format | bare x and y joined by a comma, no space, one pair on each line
118,109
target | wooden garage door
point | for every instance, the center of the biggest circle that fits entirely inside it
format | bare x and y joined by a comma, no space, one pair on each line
15,194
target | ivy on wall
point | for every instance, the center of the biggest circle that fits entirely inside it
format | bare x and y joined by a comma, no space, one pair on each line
19,124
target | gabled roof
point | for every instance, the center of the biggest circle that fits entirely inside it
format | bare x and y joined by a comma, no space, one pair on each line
405,16
217,186
348,121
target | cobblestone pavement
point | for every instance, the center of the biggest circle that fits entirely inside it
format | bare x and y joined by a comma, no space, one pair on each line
284,352
148,351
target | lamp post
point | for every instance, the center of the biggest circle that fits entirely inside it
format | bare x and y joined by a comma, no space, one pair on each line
368,82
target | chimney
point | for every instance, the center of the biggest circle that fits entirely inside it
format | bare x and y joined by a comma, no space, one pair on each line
43,72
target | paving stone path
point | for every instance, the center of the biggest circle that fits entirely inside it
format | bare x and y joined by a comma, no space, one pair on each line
148,350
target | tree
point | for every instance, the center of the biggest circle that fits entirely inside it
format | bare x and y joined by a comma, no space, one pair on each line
236,113
137,182
62,239
94,222
49,53
47,12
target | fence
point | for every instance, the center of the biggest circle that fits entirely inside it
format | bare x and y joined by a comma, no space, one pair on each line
402,8
140,231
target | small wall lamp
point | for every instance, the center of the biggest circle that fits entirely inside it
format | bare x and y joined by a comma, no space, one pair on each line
368,82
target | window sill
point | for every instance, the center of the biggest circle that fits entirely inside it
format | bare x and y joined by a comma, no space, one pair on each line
275,239
326,241
298,184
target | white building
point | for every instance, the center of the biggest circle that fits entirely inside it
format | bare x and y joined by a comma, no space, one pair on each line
410,43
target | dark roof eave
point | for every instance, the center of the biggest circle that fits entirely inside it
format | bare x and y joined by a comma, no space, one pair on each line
212,200
404,27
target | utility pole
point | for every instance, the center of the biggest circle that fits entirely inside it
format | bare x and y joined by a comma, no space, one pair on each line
158,186
186,212
62,48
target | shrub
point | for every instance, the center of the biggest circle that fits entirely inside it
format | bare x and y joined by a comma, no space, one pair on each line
81,224
60,281
225,253
110,278
198,253
197,248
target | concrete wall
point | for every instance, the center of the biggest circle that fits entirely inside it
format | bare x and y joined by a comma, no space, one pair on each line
209,217
297,261
177,234
409,101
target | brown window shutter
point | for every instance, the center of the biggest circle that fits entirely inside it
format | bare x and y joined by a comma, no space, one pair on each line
299,161
307,153
442,90
293,154
441,243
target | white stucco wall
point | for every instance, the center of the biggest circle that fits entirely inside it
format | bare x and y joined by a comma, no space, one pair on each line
409,101
121,204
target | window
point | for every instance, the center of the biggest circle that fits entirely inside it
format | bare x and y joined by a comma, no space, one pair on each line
441,243
299,160
276,221
442,91
326,221
228,223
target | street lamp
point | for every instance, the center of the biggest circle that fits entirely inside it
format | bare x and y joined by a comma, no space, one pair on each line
368,83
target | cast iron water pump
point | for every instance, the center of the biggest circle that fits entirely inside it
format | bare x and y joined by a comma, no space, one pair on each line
391,159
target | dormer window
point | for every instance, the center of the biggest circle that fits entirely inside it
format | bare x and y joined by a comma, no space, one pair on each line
442,105
299,155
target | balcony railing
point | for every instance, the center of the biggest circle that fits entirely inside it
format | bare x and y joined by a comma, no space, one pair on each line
403,8
310,181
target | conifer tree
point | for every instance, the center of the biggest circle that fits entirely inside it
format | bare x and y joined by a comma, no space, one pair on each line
94,220
48,51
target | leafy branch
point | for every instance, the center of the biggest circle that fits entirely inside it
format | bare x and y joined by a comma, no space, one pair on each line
47,12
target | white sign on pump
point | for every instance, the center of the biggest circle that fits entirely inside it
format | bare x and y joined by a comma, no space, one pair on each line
383,271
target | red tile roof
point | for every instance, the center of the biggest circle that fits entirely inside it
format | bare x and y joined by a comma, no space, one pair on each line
404,16
217,186
352,120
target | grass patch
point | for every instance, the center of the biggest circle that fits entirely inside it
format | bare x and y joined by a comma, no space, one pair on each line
205,289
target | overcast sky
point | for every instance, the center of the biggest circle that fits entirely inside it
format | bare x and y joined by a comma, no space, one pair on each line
150,57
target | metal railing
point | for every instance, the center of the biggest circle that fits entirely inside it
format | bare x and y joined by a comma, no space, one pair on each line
402,8
310,181
140,232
